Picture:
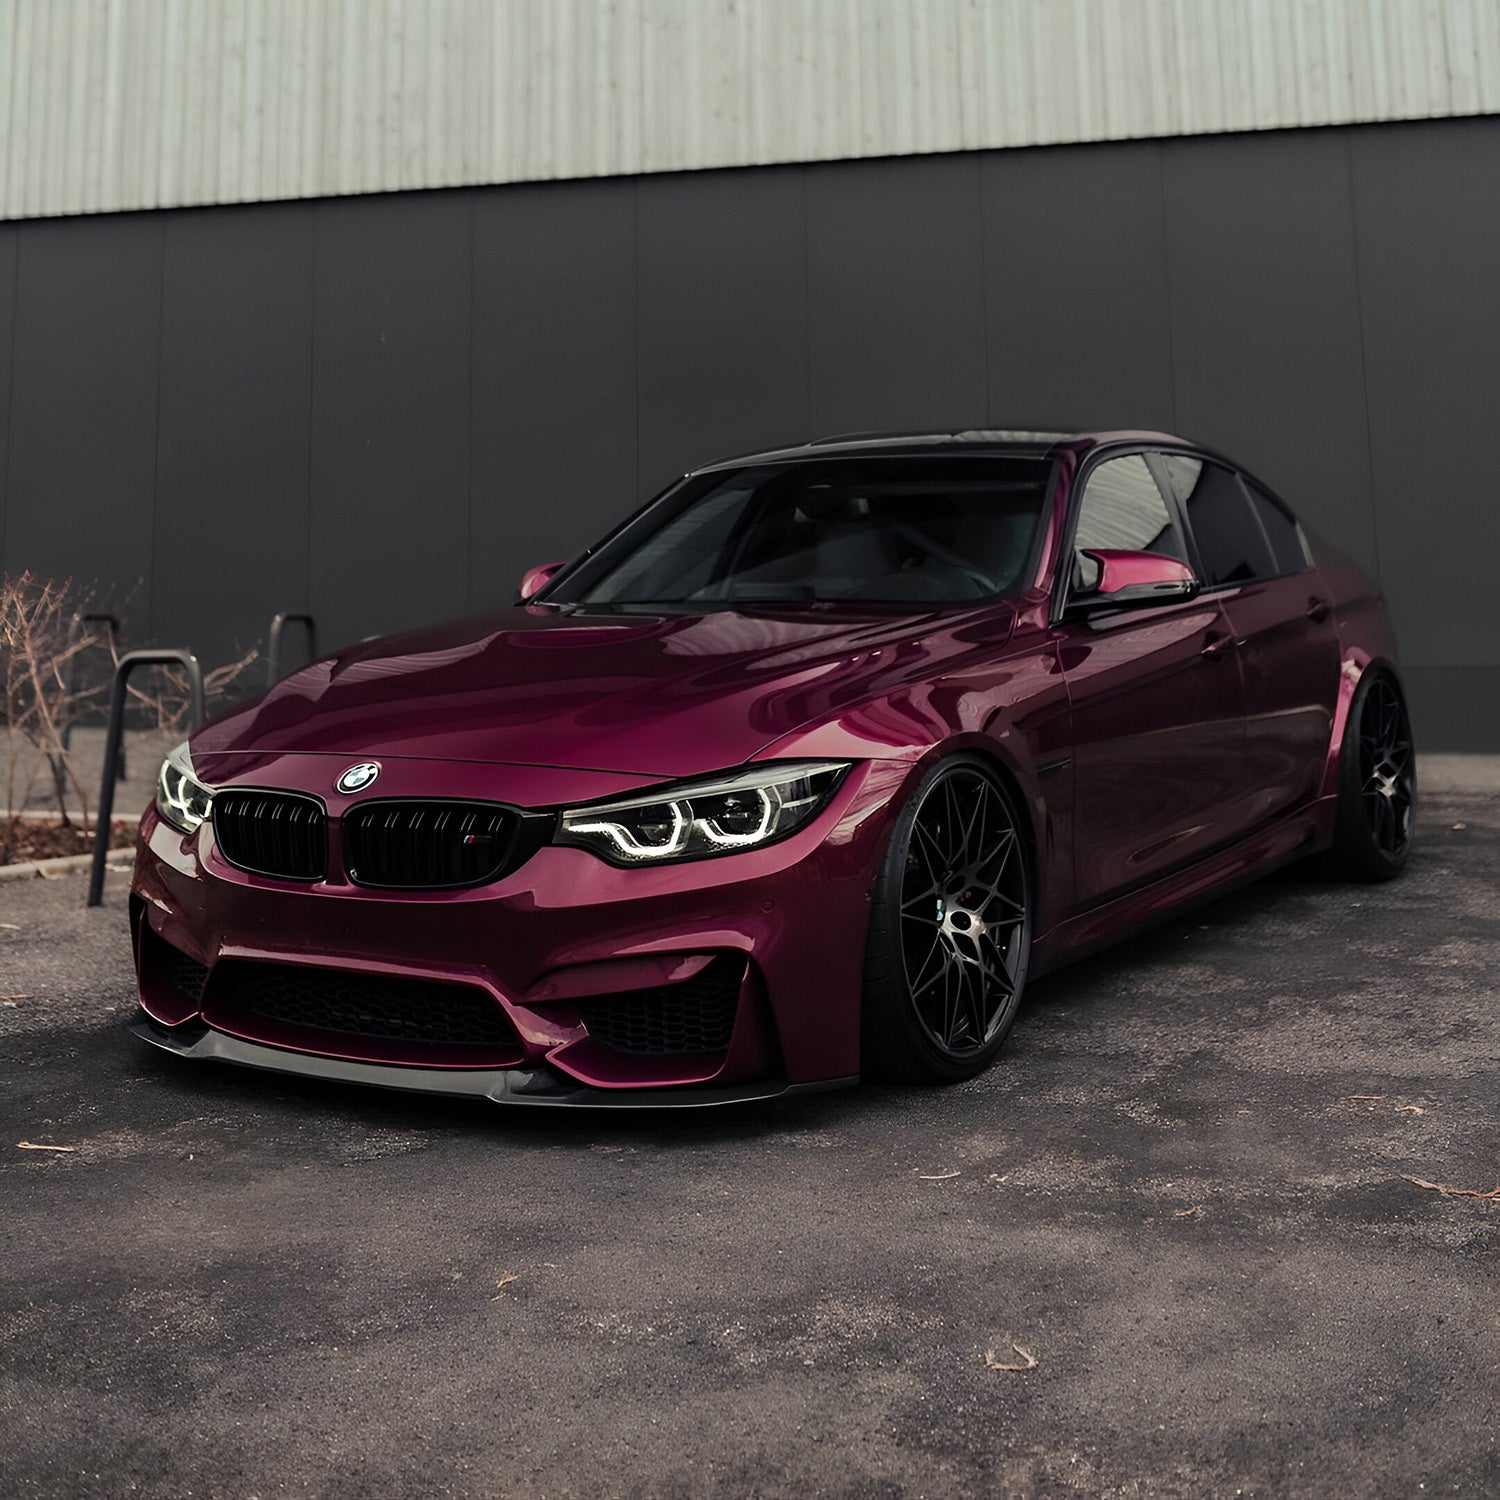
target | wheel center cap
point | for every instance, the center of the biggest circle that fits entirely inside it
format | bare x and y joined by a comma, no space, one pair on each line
960,922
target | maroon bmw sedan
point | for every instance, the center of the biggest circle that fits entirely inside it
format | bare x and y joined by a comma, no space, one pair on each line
798,775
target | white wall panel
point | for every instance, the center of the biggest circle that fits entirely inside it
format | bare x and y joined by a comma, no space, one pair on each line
122,104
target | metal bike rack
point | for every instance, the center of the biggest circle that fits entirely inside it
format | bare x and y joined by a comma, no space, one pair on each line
273,642
112,624
128,663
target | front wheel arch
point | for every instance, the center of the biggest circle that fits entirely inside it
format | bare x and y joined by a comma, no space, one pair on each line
980,951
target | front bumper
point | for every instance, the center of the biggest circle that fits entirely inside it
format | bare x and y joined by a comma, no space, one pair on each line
563,933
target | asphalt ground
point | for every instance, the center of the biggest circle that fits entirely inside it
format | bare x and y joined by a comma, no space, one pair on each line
1182,1192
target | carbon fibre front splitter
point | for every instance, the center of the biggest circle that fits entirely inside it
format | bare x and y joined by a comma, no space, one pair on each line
529,1086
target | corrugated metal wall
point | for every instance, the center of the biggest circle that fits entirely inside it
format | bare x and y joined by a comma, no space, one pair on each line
126,104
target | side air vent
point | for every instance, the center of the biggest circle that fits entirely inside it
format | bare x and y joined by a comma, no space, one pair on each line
165,964
427,845
696,1015
272,833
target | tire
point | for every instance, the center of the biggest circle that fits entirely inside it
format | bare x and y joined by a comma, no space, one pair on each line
950,929
1377,798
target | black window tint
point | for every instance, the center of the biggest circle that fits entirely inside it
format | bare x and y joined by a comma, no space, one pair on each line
1281,530
1232,548
1123,511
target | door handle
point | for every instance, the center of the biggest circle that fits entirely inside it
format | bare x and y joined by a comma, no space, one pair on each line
1217,646
1317,610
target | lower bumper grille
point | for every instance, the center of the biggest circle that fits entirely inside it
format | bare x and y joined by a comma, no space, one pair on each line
696,1015
390,1008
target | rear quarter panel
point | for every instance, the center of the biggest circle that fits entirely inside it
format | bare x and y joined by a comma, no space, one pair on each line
1366,637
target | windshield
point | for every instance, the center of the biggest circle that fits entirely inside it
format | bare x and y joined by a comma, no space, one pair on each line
869,530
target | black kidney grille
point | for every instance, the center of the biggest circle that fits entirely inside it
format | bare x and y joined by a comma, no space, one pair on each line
431,845
389,1007
694,1016
272,833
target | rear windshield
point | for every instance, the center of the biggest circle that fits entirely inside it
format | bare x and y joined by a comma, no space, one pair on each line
872,530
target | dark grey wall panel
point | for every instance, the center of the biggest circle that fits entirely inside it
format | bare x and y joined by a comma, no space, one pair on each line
390,413
8,235
722,300
387,407
1454,708
1265,318
895,295
554,439
236,372
1076,287
1427,206
82,469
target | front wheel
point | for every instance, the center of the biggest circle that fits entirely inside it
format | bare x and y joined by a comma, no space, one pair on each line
950,929
1377,801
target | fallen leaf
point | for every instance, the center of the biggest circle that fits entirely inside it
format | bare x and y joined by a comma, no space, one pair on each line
935,1176
1451,1192
32,1146
991,1363
1459,827
1410,1109
1183,1213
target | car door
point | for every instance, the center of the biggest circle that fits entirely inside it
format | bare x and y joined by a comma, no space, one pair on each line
1250,551
1157,703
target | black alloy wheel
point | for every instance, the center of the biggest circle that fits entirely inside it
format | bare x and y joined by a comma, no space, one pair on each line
1386,779
1377,785
950,933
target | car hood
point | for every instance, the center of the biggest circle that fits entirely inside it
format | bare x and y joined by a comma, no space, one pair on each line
657,695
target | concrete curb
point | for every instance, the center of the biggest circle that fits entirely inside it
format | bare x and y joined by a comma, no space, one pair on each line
49,815
65,864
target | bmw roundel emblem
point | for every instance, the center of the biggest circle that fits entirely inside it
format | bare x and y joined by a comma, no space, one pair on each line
357,778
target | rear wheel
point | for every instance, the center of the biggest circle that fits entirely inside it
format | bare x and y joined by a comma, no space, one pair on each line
950,929
1377,785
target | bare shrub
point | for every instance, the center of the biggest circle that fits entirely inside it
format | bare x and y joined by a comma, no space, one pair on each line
43,692
42,636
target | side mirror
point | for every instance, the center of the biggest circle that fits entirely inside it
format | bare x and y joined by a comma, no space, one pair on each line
534,580
1125,580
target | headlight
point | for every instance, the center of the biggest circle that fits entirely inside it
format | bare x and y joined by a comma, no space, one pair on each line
181,798
698,819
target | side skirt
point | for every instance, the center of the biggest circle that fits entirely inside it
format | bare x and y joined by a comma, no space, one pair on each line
1292,838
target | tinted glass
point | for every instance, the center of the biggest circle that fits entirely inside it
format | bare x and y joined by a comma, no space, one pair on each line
1232,548
1123,511
875,530
1282,531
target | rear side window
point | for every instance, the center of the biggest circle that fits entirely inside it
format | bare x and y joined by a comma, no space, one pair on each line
1282,531
1123,511
1232,545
